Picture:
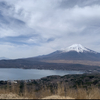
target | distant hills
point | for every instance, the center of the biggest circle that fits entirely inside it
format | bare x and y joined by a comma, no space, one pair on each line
3,58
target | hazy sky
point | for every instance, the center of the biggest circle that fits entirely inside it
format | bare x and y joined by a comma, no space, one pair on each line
34,27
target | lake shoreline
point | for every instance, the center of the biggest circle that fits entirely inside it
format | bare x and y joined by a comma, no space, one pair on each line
25,74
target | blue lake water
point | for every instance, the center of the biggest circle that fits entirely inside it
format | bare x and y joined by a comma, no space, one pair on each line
25,74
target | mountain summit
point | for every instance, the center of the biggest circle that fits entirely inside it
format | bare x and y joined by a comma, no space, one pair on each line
78,48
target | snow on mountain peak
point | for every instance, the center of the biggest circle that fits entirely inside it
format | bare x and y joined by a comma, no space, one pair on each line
77,48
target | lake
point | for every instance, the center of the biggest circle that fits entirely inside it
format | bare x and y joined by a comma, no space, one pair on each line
25,74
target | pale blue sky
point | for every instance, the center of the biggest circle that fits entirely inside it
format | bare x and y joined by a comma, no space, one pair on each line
30,28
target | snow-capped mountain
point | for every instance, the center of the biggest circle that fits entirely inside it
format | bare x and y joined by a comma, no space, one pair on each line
78,48
74,52
60,59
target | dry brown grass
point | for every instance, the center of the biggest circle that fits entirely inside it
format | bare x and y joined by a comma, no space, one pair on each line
57,97
62,92
11,96
81,93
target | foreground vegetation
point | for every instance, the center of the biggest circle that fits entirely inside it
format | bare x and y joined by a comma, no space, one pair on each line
86,86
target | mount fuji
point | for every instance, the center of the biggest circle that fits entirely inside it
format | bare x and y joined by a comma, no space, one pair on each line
73,52
75,57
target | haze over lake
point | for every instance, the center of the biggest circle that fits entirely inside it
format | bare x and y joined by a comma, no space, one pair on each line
25,74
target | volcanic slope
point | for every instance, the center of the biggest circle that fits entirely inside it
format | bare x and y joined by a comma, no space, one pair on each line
75,54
